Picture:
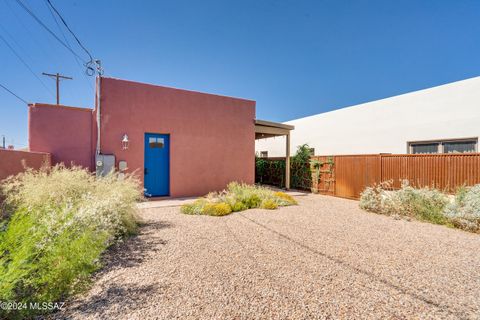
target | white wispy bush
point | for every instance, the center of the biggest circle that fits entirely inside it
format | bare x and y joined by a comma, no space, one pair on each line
58,222
423,203
371,198
426,204
107,202
464,212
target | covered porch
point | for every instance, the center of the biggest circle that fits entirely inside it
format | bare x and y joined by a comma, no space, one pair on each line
267,129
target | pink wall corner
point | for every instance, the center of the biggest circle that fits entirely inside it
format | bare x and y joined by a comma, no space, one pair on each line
93,140
64,132
212,138
13,162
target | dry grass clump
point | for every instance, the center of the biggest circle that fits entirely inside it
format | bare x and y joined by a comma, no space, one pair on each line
238,197
426,204
57,224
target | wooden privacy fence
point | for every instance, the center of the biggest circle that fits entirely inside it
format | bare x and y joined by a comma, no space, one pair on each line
348,175
442,171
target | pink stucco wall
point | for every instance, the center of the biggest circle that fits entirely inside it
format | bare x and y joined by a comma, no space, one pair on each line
64,132
212,138
15,161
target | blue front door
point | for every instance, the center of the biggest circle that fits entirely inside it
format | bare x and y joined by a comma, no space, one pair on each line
157,165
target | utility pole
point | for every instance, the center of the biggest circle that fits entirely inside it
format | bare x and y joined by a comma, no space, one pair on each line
57,77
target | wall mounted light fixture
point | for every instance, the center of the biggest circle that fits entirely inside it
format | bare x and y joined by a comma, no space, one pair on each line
125,142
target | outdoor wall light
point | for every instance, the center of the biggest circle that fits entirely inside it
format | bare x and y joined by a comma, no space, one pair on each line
125,142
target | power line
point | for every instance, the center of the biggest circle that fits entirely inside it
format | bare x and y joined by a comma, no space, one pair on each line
24,63
70,30
58,26
67,42
19,46
49,30
39,44
12,93
93,66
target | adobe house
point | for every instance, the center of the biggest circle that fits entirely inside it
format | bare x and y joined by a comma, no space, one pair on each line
178,142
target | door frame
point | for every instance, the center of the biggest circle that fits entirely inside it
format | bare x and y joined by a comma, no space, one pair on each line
169,161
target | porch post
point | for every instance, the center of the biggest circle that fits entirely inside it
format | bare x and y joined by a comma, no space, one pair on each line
287,162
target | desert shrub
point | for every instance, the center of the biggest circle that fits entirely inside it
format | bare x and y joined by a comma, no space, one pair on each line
252,201
464,212
371,199
249,195
424,204
60,221
108,202
284,199
237,197
217,209
269,204
38,266
239,206
194,208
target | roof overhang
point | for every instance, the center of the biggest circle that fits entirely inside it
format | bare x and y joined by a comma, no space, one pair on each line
267,129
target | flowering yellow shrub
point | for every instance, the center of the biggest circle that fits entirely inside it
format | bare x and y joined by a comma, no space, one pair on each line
217,209
286,197
269,204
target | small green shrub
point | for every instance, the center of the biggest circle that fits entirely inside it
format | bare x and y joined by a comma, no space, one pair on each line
284,199
269,204
203,206
239,206
252,201
237,197
59,223
217,209
194,208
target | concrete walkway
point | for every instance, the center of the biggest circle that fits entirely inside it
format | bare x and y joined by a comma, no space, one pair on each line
164,203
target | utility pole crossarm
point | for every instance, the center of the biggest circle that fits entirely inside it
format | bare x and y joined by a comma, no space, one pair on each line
57,77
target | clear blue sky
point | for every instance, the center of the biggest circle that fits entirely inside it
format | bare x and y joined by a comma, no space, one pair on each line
295,58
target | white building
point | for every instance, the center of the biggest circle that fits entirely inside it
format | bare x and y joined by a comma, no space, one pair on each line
439,119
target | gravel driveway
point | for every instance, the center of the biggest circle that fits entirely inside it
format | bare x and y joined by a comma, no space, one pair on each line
322,259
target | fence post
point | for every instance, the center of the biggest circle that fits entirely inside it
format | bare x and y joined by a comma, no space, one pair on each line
381,169
334,175
287,162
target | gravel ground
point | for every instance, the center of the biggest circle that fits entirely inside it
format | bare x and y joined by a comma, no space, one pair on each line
322,259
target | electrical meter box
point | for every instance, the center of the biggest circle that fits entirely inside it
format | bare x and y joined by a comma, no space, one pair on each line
104,163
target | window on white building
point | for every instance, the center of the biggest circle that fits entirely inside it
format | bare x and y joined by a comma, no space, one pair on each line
460,146
443,146
420,148
263,154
